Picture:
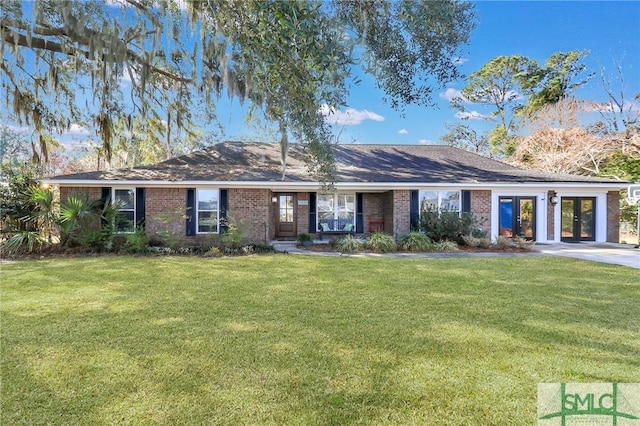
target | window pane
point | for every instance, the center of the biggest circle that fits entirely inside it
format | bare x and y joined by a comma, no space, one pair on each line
125,221
346,204
207,221
208,199
428,201
336,212
325,204
126,197
450,201
286,208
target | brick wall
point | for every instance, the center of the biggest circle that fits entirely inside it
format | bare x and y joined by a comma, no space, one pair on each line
551,219
481,208
252,210
165,211
373,207
93,193
401,212
613,216
387,211
302,212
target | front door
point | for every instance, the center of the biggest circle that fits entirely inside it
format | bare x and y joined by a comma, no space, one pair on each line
518,217
286,215
578,219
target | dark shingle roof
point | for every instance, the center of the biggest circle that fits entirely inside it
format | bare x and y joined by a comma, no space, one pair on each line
259,162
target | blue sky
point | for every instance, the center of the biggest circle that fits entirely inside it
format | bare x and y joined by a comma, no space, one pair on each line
609,30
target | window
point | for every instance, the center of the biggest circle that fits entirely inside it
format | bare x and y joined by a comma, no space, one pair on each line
336,212
208,211
440,201
286,208
125,199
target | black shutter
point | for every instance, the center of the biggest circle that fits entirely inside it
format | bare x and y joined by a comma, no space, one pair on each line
105,194
105,197
224,206
359,212
466,201
191,212
415,210
140,208
312,212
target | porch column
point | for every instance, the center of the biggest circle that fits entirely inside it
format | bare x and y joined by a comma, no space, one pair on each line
613,217
401,212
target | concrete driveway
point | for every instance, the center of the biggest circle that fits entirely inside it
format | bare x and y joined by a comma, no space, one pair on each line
617,254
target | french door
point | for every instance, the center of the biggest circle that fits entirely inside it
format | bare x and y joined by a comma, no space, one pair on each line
578,219
518,217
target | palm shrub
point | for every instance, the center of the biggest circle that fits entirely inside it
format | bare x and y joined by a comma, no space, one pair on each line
88,223
45,212
78,216
27,212
348,244
415,242
23,241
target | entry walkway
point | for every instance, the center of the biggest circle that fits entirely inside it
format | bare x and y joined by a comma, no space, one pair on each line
616,254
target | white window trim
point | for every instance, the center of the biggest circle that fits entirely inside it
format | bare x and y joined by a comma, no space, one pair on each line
335,207
440,192
198,232
113,198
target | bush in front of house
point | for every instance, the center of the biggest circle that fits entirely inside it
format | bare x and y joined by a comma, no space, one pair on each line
476,242
304,239
349,244
415,241
379,242
444,225
446,247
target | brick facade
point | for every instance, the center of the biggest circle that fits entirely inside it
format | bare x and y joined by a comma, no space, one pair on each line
302,212
373,210
253,212
93,193
481,208
551,217
613,216
165,212
401,212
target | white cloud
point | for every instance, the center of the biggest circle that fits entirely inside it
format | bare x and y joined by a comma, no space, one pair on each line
426,142
403,131
471,115
349,117
459,61
76,130
16,129
607,107
451,93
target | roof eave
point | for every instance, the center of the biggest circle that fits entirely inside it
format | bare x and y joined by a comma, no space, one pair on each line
311,185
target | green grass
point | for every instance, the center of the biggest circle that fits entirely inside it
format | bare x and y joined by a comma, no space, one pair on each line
307,339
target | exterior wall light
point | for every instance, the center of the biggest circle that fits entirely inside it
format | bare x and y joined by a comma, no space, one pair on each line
554,199
274,199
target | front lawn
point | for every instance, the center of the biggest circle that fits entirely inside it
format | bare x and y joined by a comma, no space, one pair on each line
307,339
